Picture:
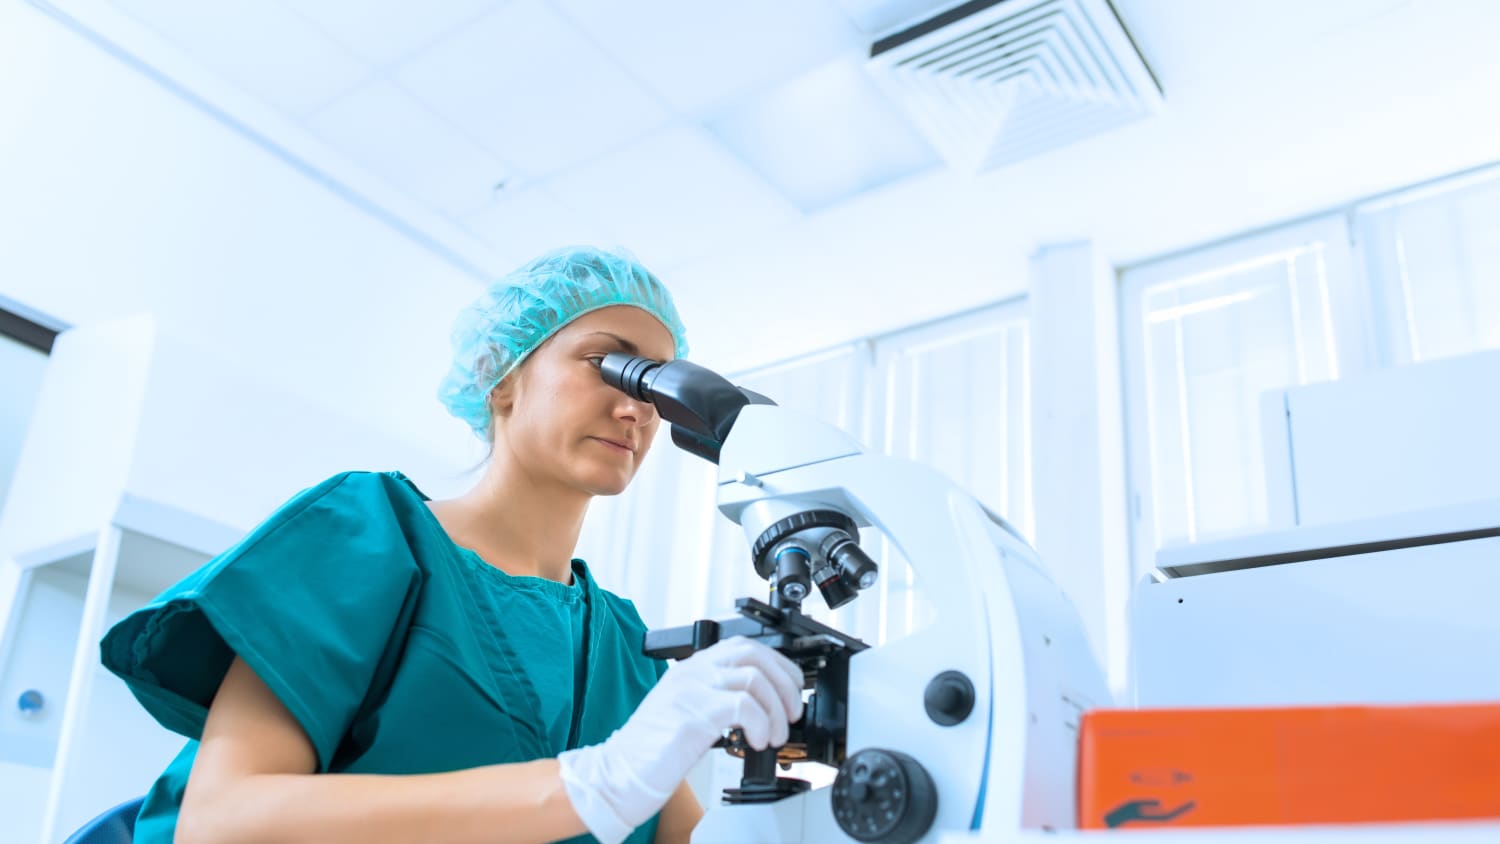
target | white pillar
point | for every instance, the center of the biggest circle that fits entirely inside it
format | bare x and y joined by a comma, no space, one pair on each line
1078,442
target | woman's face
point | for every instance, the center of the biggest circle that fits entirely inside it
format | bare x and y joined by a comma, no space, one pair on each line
558,421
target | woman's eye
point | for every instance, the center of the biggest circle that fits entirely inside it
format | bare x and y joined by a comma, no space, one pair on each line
596,360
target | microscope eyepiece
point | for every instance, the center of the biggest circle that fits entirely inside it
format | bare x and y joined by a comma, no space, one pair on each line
700,404
629,374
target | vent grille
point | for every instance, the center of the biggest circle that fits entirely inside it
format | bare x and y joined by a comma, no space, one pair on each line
994,81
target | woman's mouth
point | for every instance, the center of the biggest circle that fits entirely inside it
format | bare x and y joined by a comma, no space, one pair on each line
614,446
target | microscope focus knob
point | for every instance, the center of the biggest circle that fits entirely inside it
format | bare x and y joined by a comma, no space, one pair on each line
949,698
885,796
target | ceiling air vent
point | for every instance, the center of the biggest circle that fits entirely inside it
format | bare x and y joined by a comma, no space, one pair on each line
990,82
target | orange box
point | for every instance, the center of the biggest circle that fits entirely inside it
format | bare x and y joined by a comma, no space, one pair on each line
1305,765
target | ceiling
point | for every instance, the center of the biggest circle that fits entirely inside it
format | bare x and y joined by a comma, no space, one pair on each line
742,146
502,127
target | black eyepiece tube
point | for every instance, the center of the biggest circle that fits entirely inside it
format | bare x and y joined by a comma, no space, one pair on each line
700,404
627,374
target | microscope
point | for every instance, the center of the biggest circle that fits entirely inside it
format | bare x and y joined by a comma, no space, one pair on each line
969,724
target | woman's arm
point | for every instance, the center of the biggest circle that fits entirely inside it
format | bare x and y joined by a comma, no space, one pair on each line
678,817
253,781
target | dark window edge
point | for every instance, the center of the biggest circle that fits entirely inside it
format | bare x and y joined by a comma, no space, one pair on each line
1311,554
27,332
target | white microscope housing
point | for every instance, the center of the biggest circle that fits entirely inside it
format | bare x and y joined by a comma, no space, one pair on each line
967,724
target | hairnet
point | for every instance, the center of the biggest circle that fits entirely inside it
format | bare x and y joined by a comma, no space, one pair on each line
517,313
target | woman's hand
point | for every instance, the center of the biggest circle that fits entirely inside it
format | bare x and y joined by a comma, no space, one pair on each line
618,785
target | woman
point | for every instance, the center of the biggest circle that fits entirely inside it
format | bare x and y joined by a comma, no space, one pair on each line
369,665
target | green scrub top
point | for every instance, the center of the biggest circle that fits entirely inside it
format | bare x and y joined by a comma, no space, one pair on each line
396,650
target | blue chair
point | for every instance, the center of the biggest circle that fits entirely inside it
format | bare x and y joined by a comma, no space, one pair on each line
116,826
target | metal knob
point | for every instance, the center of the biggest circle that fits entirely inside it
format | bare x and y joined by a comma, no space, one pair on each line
883,795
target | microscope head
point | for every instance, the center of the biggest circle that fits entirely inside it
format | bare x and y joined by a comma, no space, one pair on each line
794,546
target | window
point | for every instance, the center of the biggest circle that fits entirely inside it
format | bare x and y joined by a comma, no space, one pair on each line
831,387
1433,259
953,394
956,396
1206,334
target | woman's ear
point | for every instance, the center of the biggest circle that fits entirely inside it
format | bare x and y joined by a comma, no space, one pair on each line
503,397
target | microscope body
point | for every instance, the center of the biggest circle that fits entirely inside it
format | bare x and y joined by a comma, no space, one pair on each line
967,724
999,621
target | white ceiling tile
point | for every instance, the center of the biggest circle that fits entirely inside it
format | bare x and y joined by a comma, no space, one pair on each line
525,223
694,53
1189,44
382,31
532,89
825,136
673,196
385,129
262,47
880,17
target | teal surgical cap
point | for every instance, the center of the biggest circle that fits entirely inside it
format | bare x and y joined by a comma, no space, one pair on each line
516,314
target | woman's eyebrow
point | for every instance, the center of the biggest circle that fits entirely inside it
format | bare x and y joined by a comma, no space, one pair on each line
624,344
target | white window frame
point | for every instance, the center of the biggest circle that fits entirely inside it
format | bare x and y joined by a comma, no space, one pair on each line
1349,317
885,352
887,349
866,412
1388,315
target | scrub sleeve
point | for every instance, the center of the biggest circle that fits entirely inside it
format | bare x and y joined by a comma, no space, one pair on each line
310,600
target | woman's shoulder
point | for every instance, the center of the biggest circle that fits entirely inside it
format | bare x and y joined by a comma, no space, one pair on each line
347,515
351,492
356,482
310,599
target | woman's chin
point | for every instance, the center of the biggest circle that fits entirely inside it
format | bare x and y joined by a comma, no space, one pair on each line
604,483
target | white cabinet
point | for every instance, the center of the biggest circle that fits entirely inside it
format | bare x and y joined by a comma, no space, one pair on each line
1381,586
90,746
1399,440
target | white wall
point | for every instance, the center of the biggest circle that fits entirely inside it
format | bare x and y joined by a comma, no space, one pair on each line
21,369
132,201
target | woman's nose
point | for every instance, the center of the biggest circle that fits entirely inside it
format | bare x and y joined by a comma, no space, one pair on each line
635,410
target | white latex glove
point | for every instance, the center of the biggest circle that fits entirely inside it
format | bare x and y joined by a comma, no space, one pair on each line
618,785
